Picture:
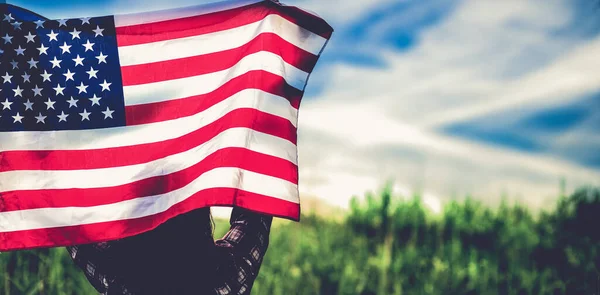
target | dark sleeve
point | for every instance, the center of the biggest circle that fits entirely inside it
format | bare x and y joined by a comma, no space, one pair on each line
92,260
241,251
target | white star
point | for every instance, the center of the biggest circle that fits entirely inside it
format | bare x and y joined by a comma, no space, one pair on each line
62,22
95,100
65,48
20,51
105,86
98,31
18,118
30,37
14,64
37,91
6,104
18,91
39,23
69,75
85,115
85,20
101,58
92,73
72,102
52,35
108,113
55,62
46,76
32,63
7,78
75,34
8,17
43,50
88,46
82,88
17,25
28,105
78,60
50,104
62,117
26,77
59,89
7,39
40,119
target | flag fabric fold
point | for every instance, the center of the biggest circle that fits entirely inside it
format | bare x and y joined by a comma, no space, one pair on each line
111,125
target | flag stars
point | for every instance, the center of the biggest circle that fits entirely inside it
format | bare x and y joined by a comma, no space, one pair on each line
85,20
75,34
101,58
105,85
55,62
30,37
8,17
14,64
65,48
46,76
88,46
72,102
20,51
26,77
37,91
39,24
78,60
18,118
85,115
32,63
7,78
18,91
6,104
62,116
69,75
59,89
17,25
28,105
95,100
41,119
43,50
92,73
62,22
50,104
82,88
108,113
98,31
7,39
52,36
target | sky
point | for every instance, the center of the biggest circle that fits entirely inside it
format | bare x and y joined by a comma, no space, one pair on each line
484,98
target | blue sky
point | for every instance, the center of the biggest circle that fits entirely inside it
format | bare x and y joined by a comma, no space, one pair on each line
445,97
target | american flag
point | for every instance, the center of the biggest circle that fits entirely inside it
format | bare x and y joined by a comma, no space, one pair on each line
111,125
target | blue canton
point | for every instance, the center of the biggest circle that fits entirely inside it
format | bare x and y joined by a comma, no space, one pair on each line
59,74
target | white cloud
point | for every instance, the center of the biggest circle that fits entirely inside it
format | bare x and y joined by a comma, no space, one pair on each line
486,57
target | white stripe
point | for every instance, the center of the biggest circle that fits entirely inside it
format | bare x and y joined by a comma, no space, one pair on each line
146,133
141,207
202,84
219,41
114,176
168,14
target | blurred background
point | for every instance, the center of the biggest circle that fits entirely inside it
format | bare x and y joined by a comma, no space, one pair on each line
446,147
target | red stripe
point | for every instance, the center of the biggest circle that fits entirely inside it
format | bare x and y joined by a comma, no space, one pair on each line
218,61
143,153
99,232
227,157
178,108
214,22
